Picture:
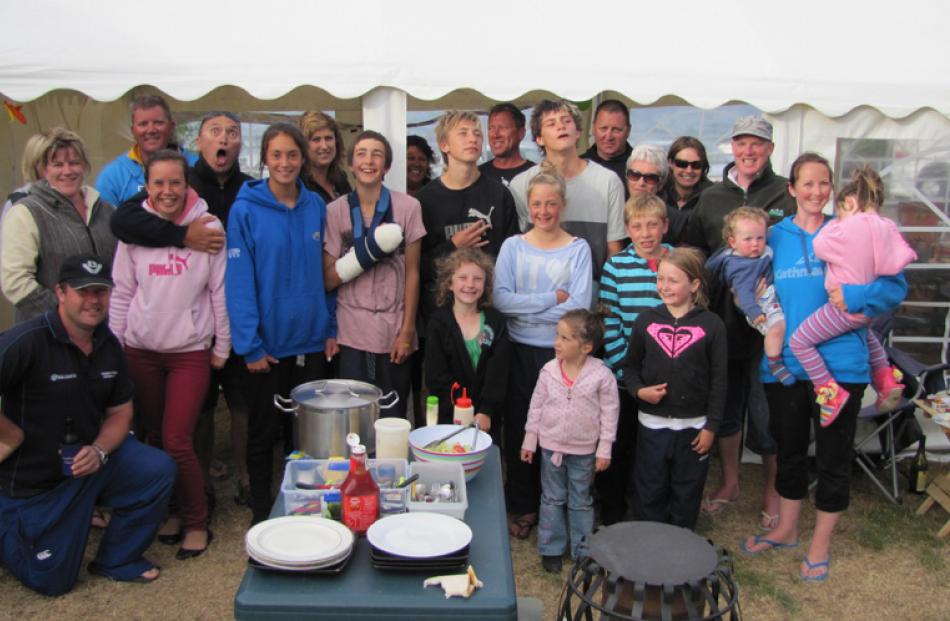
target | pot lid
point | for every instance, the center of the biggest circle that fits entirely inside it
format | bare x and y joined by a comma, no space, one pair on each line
335,394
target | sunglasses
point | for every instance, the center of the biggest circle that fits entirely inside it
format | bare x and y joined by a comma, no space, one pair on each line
636,175
684,164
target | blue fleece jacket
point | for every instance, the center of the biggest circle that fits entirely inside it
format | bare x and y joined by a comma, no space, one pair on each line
800,284
124,177
277,303
742,275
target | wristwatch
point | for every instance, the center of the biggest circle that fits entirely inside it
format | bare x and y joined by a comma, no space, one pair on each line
103,455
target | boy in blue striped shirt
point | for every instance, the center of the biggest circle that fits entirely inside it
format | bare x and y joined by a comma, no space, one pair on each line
627,288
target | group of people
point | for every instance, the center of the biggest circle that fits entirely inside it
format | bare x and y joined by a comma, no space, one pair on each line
570,298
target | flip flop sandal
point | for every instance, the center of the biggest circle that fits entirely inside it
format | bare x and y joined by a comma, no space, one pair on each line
771,545
125,574
820,577
767,522
715,506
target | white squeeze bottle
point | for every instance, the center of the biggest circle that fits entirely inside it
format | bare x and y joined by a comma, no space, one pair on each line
463,413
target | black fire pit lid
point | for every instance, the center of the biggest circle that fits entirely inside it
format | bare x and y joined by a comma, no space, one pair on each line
653,553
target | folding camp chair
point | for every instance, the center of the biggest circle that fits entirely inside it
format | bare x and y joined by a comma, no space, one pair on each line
898,423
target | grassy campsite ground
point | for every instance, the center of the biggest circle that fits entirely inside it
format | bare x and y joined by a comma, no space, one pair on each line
887,565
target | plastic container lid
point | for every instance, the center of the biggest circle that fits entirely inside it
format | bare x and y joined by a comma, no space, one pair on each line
463,401
432,400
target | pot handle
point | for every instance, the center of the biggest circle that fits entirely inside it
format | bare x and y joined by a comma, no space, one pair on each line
386,406
282,403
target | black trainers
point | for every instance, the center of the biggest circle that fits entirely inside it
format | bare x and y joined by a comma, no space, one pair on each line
551,563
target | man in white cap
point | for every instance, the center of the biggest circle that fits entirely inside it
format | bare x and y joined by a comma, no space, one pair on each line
748,180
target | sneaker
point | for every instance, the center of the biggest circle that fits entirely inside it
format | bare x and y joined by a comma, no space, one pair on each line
831,398
886,382
551,563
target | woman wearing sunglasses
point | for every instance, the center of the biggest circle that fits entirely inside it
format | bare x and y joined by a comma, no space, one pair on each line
647,169
690,167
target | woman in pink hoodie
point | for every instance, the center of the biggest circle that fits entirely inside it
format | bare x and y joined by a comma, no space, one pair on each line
168,310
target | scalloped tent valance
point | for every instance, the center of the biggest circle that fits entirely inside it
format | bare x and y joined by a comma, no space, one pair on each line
833,57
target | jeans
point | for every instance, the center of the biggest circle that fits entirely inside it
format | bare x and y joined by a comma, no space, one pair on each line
169,391
568,484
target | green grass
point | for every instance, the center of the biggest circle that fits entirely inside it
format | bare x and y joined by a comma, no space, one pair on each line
766,585
881,526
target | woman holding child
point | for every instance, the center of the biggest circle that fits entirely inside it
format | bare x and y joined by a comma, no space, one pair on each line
800,284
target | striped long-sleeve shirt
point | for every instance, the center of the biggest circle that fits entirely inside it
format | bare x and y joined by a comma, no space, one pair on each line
627,288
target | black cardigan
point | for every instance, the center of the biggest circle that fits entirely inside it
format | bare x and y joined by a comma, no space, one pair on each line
447,361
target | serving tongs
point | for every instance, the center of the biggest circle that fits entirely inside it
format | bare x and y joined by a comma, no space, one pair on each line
435,443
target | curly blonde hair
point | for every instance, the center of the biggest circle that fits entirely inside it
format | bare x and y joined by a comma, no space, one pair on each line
742,213
448,265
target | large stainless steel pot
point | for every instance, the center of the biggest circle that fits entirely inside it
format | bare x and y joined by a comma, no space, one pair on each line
326,410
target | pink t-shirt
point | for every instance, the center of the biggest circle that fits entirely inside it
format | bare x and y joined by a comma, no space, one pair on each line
369,308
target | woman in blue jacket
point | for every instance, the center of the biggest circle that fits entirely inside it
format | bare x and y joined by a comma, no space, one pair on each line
283,322
800,285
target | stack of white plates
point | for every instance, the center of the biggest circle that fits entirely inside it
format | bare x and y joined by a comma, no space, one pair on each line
419,542
299,543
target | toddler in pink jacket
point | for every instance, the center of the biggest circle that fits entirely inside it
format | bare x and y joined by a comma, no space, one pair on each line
573,414
858,247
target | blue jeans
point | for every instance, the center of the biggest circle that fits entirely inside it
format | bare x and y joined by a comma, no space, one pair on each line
568,484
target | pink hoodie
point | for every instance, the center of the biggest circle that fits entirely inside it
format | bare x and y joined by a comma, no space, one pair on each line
860,248
170,300
578,420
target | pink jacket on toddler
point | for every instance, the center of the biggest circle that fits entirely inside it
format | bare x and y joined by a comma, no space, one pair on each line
860,248
579,420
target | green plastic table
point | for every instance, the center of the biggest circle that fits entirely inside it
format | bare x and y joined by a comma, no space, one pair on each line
362,592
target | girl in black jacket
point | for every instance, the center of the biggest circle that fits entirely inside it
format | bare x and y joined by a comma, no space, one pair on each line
676,368
466,339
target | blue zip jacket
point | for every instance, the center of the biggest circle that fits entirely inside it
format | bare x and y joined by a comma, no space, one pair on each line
800,284
277,303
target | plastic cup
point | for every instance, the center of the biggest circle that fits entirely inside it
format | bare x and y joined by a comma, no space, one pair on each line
392,438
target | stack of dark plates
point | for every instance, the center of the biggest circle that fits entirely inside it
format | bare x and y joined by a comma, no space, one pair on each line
423,542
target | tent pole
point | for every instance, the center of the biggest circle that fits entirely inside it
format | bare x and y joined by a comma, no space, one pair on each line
384,110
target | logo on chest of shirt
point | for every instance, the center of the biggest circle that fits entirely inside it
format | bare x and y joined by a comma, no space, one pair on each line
59,377
452,229
674,340
107,375
174,265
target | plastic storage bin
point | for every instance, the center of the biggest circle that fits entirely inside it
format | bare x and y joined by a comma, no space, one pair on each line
440,472
299,501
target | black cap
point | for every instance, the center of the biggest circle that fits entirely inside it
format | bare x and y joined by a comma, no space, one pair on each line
85,270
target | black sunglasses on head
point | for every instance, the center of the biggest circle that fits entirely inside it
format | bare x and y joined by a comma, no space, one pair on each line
697,165
636,175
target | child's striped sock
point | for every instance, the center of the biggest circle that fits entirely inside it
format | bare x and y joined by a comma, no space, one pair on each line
779,370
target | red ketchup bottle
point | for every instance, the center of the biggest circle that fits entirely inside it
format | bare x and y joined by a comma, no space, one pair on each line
360,493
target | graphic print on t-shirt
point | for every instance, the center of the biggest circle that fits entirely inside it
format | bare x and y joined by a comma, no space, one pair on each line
674,340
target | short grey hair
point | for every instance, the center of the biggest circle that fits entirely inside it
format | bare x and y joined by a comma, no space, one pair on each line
652,154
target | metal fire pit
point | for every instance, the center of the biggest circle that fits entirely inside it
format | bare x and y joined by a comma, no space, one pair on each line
640,571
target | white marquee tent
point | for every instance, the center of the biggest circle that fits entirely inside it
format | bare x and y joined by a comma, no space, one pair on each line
821,71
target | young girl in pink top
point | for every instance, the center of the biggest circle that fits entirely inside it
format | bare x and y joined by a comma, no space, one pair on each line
169,312
859,246
573,414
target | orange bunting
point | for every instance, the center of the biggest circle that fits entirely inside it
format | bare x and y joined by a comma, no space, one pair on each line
15,112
